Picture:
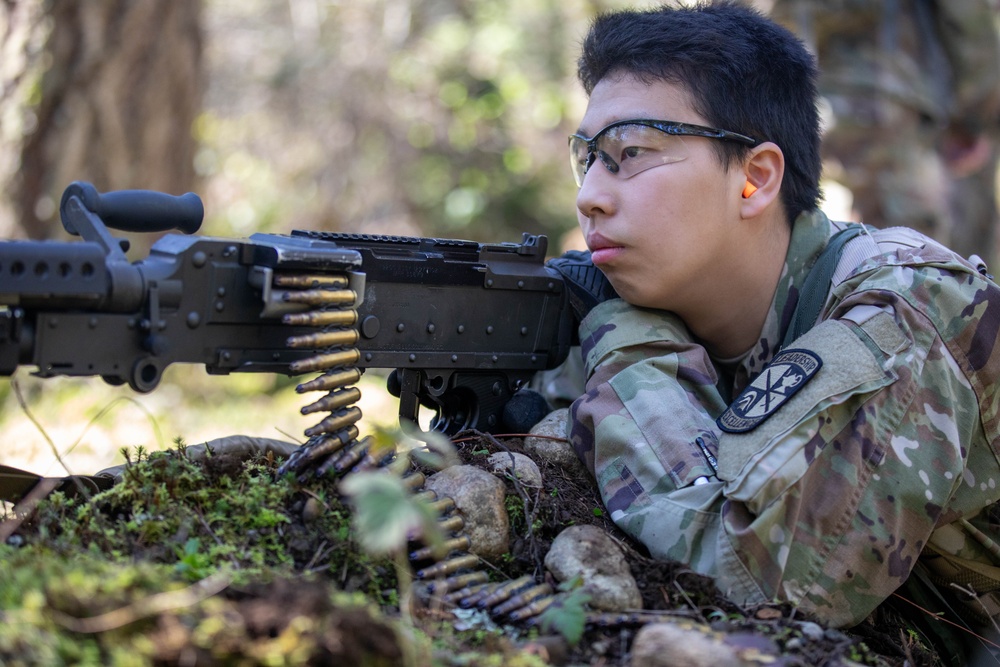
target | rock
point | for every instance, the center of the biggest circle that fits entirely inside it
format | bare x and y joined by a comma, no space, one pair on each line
516,465
591,554
548,442
479,496
811,630
688,644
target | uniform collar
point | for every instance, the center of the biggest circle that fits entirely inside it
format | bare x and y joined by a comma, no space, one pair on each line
810,234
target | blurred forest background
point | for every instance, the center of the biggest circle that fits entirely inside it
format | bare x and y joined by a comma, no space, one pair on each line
429,117
420,117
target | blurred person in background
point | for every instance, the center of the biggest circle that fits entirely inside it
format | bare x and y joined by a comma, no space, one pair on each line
913,116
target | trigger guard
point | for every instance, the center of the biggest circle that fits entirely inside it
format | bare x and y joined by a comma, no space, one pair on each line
457,410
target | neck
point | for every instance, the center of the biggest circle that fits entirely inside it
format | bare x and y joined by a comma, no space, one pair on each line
732,323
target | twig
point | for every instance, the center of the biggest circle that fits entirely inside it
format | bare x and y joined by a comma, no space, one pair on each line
321,551
315,496
100,415
107,409
949,622
26,507
969,591
218,540
906,641
291,438
684,594
16,386
150,606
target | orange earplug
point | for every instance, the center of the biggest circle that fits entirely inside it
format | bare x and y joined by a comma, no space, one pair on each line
749,190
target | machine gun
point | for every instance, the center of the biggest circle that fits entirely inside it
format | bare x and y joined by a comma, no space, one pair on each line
463,324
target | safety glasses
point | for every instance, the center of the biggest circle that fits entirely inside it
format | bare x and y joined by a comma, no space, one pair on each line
628,147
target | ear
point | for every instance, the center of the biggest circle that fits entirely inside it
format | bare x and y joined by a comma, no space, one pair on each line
764,170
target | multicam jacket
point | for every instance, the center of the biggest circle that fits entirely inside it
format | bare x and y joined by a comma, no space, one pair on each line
821,472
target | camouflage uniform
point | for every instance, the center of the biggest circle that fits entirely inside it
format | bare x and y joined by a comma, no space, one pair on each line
911,86
888,446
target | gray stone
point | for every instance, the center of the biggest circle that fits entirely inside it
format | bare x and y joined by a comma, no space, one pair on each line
548,442
590,553
516,465
479,497
681,645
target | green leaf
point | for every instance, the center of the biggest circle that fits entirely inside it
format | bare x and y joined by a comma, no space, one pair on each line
385,512
567,616
430,448
191,546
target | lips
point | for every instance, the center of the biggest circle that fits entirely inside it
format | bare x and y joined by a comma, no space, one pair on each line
602,250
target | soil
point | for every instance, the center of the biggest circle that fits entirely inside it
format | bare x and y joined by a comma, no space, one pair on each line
670,587
307,593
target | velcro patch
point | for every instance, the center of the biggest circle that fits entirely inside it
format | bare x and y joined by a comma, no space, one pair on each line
787,373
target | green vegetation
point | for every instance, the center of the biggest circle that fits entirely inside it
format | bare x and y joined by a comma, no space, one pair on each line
437,119
175,553
221,562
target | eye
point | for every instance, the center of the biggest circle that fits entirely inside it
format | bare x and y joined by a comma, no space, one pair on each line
633,152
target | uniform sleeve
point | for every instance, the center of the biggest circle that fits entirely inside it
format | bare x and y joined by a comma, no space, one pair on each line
646,430
827,501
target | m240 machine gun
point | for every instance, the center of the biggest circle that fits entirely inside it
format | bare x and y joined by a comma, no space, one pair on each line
464,325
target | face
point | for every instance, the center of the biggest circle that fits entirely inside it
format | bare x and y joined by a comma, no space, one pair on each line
660,233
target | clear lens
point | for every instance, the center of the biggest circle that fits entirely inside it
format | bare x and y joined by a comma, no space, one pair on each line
626,150
636,148
579,158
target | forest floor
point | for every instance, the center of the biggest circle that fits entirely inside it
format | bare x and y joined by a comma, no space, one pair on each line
225,563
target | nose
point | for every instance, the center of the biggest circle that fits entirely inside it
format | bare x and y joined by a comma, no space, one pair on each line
596,196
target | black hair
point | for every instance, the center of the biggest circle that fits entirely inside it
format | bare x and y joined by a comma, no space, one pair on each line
744,72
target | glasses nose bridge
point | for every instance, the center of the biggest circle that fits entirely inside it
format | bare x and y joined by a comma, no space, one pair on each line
595,154
592,152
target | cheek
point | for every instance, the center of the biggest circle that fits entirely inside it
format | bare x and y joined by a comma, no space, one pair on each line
678,198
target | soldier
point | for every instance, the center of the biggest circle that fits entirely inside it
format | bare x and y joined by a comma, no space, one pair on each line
912,88
803,409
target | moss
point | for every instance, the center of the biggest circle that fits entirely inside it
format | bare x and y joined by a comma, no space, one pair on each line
203,517
169,526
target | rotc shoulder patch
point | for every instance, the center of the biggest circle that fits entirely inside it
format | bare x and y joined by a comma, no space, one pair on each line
788,372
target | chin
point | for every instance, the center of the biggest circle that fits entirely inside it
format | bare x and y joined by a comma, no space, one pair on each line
632,296
640,300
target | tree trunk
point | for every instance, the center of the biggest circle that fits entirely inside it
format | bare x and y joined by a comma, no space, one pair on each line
102,91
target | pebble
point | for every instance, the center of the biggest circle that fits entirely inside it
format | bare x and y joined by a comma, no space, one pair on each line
517,465
548,442
479,497
589,553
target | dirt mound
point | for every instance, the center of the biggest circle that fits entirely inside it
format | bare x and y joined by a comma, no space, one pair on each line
222,562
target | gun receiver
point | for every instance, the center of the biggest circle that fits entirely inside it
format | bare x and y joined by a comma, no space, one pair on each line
465,324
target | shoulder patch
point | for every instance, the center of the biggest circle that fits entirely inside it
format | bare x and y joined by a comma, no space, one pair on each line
787,373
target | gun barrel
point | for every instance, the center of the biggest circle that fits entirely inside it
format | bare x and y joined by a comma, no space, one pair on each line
52,273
